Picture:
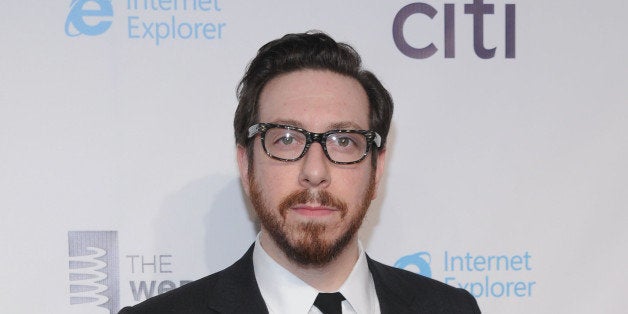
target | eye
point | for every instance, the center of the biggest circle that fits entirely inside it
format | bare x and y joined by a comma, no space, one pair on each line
286,140
344,141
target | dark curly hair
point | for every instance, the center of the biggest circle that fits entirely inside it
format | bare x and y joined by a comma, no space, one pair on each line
310,50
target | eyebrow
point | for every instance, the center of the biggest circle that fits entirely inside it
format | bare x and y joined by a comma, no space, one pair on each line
342,125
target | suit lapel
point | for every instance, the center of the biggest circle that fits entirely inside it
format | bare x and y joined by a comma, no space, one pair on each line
237,291
393,296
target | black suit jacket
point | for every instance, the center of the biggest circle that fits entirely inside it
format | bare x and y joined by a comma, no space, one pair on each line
234,290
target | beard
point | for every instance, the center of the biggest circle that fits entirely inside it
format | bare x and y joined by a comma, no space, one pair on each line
304,242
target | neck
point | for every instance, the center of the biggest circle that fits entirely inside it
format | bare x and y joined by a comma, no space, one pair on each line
326,278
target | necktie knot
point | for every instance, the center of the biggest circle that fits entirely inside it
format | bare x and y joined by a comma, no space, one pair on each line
329,303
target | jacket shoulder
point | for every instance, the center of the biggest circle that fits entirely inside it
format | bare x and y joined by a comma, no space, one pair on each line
400,290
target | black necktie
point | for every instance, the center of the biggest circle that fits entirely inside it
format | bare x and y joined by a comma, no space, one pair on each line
329,303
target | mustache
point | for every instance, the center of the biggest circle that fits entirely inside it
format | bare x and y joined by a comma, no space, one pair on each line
323,198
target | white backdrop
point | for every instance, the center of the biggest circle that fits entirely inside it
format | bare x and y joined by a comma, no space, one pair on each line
505,176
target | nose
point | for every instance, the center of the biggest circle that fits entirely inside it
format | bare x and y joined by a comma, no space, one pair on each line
314,172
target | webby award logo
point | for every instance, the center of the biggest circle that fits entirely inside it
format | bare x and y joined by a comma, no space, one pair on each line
94,271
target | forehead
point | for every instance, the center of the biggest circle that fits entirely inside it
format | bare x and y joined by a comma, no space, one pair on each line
315,100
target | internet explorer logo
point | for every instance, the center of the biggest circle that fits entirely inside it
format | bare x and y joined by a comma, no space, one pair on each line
420,260
94,271
89,17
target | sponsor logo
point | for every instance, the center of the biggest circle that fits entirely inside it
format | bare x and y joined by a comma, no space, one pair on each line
93,270
89,17
418,263
477,10
155,21
501,275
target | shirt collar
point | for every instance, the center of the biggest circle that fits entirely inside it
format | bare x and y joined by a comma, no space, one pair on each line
359,288
284,292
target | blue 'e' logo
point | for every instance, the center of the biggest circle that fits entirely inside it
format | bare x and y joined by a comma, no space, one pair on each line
420,260
92,11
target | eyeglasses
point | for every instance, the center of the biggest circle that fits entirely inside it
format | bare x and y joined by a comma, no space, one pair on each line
289,143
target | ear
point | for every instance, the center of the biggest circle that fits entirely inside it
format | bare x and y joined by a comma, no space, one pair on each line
243,165
379,171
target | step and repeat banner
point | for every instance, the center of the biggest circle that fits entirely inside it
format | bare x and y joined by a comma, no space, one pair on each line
507,170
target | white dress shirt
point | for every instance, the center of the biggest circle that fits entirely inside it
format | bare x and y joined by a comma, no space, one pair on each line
284,292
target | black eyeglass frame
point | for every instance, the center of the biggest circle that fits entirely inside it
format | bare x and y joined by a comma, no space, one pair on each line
310,137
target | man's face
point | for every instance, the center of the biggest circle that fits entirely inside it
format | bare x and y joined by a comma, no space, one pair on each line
311,208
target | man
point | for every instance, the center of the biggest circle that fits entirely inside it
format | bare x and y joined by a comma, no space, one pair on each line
310,128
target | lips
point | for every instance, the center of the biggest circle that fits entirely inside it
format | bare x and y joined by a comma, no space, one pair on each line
313,211
312,204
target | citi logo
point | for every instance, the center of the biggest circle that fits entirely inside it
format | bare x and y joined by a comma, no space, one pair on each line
417,263
477,9
89,17
94,271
